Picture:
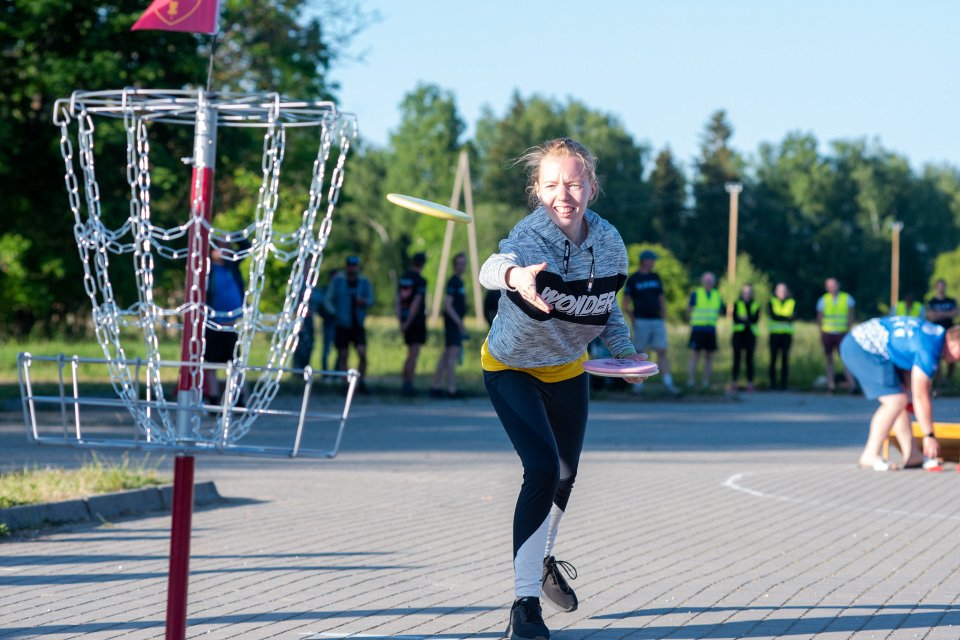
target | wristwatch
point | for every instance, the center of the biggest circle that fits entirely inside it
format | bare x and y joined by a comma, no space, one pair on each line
929,435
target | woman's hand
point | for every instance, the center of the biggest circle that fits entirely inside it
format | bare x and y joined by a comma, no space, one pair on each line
640,357
524,280
931,448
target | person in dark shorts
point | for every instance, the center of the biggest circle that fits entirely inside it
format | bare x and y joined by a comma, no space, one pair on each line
647,310
411,312
941,310
704,311
782,313
224,296
454,331
349,296
835,310
894,359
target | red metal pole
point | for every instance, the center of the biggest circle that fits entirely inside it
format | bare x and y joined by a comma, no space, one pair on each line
180,531
189,393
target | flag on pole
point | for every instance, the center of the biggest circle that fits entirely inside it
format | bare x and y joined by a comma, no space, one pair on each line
193,16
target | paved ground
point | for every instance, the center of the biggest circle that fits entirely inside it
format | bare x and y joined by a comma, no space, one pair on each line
689,520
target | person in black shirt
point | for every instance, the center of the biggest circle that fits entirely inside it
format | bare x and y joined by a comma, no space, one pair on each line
454,311
411,300
941,310
647,310
746,318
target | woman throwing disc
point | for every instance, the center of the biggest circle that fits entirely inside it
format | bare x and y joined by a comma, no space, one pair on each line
561,267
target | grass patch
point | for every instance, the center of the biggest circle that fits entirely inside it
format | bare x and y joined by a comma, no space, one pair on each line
95,476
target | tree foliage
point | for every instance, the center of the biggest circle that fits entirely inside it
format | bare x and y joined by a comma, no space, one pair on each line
51,48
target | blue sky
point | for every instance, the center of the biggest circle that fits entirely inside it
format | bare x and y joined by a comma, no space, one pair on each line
841,69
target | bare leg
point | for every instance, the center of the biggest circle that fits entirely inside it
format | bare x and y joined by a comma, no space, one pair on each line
441,369
831,385
707,367
451,354
362,358
890,408
410,365
692,368
663,362
912,455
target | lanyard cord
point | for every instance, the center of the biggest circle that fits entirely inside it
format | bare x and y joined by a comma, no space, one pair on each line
566,263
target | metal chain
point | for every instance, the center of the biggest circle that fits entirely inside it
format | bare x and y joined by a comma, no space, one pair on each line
303,248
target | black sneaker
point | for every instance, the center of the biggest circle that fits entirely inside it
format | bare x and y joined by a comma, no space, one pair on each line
555,587
526,621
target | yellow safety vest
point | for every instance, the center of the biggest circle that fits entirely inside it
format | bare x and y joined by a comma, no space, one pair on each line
782,308
741,311
706,311
916,309
836,313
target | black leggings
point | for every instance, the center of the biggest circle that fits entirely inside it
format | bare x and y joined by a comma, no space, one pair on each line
744,343
546,422
780,347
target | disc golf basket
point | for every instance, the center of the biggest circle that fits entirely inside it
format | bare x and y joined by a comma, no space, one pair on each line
163,398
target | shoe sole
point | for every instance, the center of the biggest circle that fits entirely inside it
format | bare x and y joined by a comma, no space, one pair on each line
509,635
557,607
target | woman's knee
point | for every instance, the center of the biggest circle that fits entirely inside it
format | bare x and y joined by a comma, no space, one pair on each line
543,471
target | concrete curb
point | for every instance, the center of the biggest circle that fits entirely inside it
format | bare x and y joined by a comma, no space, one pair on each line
103,507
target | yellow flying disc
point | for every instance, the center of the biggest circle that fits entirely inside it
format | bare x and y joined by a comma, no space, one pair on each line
429,208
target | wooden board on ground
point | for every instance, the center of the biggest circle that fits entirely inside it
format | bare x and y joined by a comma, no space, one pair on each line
948,435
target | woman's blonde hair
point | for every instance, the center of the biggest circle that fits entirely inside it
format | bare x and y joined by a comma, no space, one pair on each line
532,158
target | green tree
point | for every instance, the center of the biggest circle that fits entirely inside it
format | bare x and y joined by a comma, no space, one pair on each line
535,120
52,48
705,230
423,156
668,199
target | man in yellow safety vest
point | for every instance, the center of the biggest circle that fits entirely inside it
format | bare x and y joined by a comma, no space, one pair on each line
908,307
703,311
835,310
782,312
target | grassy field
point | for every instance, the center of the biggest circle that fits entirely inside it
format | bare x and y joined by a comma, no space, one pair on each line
386,353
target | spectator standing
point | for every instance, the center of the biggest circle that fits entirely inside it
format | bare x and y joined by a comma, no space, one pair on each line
835,310
704,312
329,322
941,310
647,308
909,307
746,318
224,296
349,296
411,297
305,339
782,312
454,331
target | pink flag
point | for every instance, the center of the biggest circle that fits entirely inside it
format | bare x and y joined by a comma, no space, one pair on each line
194,16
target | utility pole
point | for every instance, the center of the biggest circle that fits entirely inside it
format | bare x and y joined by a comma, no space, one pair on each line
895,265
734,189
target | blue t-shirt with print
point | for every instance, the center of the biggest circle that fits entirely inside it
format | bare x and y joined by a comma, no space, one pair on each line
907,342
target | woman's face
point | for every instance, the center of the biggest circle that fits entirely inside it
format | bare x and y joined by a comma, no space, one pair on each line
564,188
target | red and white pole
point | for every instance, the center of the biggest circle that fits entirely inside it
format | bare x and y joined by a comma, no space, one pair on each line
189,386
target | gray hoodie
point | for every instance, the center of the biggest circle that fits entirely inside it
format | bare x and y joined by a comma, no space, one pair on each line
581,282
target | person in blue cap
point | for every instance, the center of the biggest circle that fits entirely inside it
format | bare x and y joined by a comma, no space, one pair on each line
647,309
